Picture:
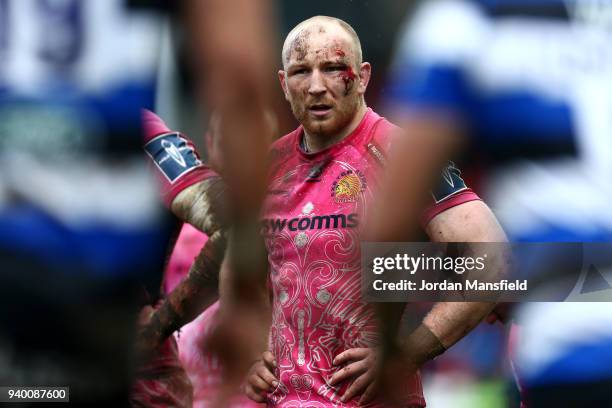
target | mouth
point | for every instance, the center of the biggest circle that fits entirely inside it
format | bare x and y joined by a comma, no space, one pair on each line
319,109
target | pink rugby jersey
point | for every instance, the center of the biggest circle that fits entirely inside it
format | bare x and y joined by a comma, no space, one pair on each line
312,214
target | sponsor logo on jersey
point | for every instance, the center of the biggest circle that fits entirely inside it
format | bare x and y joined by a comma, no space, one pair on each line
335,221
347,186
376,152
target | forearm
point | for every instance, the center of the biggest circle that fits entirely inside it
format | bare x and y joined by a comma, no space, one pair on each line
245,273
444,325
473,223
194,294
451,321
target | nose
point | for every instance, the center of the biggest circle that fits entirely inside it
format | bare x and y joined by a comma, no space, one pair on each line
317,83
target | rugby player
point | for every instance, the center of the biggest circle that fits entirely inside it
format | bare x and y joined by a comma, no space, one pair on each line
323,176
189,290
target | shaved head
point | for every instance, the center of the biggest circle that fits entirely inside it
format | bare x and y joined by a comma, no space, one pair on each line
324,78
295,41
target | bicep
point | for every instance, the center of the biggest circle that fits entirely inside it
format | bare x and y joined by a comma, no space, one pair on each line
472,221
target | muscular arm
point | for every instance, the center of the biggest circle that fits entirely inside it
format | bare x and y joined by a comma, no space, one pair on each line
194,294
202,205
448,322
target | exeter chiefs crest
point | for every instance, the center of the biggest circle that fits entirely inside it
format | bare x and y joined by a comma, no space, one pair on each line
347,186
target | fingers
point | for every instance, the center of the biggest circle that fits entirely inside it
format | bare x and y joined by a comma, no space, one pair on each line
364,359
362,368
351,355
269,359
261,380
256,389
369,394
350,371
358,386
253,395
259,384
266,375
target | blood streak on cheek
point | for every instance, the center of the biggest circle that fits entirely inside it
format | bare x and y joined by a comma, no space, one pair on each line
348,76
340,53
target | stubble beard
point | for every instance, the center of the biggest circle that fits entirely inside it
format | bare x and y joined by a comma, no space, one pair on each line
323,130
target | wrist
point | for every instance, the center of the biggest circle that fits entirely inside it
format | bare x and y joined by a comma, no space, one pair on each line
421,345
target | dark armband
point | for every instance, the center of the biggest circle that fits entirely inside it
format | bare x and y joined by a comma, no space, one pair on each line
192,191
449,183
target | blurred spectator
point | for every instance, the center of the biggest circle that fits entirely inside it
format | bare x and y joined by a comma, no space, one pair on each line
80,227
528,83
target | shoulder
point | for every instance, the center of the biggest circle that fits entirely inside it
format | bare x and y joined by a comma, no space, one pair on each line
382,134
286,140
385,130
379,128
281,152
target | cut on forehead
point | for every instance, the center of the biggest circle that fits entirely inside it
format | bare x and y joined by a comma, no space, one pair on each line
322,22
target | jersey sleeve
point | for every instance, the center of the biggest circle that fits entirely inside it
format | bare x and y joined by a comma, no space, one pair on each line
177,162
450,191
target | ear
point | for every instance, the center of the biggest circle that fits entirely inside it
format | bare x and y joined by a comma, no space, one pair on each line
365,72
282,77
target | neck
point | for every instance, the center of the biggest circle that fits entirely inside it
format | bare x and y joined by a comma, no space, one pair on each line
316,143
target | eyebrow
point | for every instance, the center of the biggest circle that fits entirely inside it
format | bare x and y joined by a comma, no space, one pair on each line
296,65
335,62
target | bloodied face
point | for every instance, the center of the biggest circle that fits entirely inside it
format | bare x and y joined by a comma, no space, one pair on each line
323,79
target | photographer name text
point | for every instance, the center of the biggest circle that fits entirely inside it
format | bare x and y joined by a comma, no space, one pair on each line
445,285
